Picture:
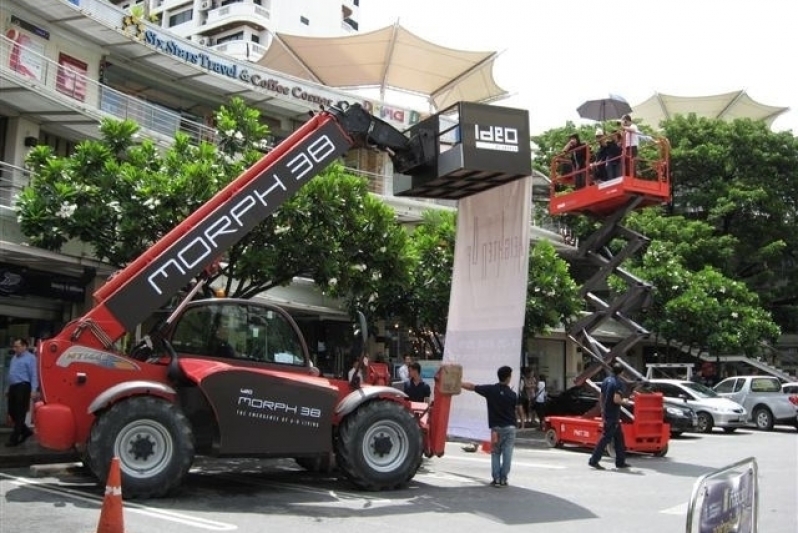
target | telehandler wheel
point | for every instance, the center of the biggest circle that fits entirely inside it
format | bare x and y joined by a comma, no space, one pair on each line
153,441
379,446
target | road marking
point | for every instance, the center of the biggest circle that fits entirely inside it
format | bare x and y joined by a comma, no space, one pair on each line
339,495
680,509
152,512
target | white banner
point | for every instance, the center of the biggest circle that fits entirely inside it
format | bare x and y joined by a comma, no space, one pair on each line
486,309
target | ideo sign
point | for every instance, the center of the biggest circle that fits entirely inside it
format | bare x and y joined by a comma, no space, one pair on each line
495,138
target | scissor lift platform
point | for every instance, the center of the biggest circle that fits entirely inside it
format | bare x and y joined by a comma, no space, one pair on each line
647,433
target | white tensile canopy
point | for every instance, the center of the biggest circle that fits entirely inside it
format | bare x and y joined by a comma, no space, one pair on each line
727,106
390,58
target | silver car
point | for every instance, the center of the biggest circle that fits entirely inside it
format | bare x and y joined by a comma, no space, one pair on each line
711,409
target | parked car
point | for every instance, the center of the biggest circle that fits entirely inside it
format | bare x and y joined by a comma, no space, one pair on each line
712,410
763,398
790,388
583,401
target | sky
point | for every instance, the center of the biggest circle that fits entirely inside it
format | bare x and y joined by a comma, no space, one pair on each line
556,54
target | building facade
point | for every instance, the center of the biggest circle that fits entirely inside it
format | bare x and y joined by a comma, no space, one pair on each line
244,28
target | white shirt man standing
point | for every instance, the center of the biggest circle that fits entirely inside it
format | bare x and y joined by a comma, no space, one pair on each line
404,371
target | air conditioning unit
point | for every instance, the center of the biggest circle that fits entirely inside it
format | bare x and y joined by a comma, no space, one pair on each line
206,4
204,41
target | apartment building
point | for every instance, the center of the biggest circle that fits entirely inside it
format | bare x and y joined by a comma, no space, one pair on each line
244,28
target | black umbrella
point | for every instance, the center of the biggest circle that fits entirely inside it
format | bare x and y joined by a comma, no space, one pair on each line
610,108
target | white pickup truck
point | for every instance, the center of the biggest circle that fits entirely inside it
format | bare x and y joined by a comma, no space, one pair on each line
762,398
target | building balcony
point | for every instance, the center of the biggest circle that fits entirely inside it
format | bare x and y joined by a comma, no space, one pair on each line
240,12
66,85
241,50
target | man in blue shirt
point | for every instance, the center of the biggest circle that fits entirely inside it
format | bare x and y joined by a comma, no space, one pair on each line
23,382
501,401
611,399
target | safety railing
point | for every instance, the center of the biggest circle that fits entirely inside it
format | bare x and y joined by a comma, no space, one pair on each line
584,165
66,81
12,179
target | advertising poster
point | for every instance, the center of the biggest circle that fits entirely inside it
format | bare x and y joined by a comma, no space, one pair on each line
27,55
71,79
726,504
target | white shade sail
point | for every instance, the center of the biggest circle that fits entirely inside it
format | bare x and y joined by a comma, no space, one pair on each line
727,106
390,58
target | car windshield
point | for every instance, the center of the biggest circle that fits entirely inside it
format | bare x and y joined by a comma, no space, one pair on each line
702,391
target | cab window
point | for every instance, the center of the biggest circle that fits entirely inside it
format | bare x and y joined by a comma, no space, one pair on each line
234,331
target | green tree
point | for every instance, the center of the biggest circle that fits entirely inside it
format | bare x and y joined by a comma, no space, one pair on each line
424,307
121,194
694,303
742,179
552,295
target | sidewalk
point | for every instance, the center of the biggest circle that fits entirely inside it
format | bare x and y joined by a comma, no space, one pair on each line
30,453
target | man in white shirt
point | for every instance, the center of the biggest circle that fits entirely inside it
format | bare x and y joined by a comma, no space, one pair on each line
403,373
631,142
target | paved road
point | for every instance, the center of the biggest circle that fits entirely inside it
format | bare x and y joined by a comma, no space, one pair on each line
550,489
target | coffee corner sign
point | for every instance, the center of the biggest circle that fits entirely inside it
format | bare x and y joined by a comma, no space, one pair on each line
267,83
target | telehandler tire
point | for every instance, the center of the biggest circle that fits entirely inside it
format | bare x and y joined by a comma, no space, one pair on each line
151,438
379,446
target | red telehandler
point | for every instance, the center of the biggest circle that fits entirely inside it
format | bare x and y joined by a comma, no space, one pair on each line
230,377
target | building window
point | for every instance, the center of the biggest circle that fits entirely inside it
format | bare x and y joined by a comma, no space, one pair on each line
180,18
227,38
356,2
304,20
255,39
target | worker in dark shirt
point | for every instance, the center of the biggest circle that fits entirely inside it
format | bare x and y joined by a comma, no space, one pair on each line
501,400
611,399
415,387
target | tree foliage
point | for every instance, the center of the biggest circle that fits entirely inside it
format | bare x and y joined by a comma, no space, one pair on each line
552,295
694,303
424,307
742,179
121,193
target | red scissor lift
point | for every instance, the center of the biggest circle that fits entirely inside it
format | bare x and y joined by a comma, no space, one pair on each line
644,181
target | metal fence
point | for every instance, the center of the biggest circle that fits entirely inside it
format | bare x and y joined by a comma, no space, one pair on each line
62,81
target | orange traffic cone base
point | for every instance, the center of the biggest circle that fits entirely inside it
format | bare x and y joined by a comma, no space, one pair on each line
111,516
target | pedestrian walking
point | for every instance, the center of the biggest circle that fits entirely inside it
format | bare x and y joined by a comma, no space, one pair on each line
501,402
610,400
23,383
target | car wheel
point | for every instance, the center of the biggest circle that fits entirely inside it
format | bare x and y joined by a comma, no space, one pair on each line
552,440
153,441
705,422
763,418
379,446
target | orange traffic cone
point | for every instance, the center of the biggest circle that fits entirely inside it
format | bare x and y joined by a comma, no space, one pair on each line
111,519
